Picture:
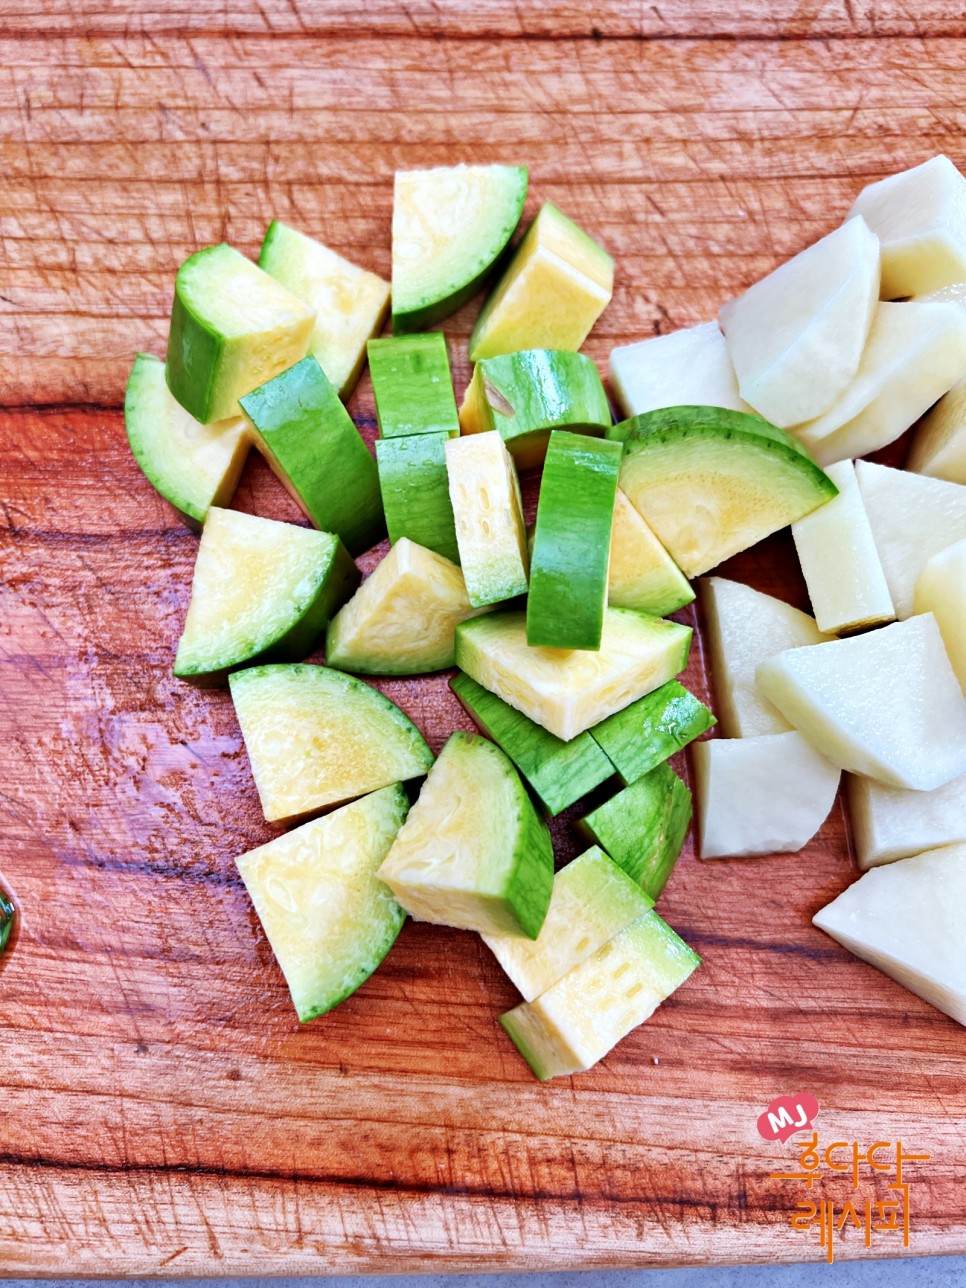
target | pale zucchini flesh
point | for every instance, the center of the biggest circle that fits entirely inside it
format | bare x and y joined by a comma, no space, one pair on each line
317,737
642,574
373,633
559,773
568,692
193,466
582,1017
488,513
551,293
262,591
350,304
473,853
232,328
449,226
592,901
711,482
329,919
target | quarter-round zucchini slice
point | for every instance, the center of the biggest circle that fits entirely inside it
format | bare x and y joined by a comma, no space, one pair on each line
193,466
449,225
262,591
711,482
317,737
328,917
473,854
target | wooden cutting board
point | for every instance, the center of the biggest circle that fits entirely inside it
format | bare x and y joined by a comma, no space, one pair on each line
162,1112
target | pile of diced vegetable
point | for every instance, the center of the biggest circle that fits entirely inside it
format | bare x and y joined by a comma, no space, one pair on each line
567,657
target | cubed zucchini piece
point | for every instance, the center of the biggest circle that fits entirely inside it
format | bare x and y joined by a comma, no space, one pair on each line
473,853
571,544
488,512
567,692
592,901
449,225
643,827
553,290
309,440
193,466
328,917
232,328
649,731
415,492
317,737
402,619
262,591
526,395
586,1013
559,773
412,385
350,303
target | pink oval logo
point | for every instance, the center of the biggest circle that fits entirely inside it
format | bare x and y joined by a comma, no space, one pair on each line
787,1115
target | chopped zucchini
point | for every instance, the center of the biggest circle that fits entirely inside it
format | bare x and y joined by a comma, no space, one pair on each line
567,692
262,592
232,328
473,853
415,492
329,919
649,731
571,544
643,827
193,466
350,303
316,737
642,574
449,226
309,440
711,482
402,619
488,511
553,290
586,1013
412,385
592,901
526,395
559,773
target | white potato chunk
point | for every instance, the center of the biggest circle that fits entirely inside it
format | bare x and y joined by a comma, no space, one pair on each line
765,795
796,337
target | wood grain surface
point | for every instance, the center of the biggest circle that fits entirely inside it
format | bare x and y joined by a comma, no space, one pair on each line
162,1111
